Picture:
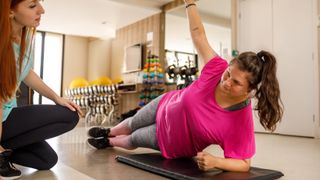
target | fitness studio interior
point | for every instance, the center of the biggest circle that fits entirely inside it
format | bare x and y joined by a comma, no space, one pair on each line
112,57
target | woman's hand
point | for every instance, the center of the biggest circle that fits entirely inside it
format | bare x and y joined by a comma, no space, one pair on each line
69,104
1,149
206,161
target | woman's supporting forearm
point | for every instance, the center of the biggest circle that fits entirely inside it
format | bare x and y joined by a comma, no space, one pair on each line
237,165
207,161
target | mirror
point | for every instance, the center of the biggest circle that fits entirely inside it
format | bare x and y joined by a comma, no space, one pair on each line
133,56
216,16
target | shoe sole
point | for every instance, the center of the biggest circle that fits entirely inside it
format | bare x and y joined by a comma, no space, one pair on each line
93,146
10,178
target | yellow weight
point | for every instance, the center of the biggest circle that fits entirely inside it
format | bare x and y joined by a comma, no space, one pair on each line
160,70
152,69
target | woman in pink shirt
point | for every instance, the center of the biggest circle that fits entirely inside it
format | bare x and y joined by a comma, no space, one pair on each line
215,109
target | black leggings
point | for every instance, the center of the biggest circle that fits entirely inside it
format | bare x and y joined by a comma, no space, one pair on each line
27,128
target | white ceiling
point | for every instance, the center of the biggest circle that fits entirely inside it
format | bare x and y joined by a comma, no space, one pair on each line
101,18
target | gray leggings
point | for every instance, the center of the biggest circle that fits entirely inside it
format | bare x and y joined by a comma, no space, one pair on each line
143,126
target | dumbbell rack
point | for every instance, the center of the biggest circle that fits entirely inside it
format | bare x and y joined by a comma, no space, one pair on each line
100,102
184,73
152,80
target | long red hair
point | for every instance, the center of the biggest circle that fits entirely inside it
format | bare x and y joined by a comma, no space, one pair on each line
8,69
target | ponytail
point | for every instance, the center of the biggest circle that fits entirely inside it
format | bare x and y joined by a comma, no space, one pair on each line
263,81
269,104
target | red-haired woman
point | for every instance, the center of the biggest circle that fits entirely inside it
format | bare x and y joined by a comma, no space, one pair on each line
23,130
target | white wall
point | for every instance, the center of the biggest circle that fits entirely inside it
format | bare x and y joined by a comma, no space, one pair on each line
99,58
75,59
86,58
277,27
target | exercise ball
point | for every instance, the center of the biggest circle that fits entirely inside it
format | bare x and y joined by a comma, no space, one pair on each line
101,81
118,80
78,82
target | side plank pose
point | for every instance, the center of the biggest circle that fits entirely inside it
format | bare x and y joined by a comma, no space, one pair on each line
214,109
23,130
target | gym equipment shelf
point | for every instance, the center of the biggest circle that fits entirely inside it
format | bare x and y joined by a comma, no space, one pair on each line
99,101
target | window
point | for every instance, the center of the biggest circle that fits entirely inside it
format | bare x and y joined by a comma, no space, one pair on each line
48,63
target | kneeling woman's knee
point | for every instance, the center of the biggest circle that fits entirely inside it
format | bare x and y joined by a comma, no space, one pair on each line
73,118
69,117
49,162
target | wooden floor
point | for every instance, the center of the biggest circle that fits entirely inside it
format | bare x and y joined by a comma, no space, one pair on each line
298,158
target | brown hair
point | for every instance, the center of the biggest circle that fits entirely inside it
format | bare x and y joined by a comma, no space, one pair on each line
8,69
263,81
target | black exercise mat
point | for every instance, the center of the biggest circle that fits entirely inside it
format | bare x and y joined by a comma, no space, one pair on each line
185,168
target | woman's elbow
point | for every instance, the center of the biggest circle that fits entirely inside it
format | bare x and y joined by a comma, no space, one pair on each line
246,166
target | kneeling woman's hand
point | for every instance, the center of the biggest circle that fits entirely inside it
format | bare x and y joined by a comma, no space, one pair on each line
69,104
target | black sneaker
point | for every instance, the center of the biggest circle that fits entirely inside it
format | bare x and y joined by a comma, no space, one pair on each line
7,170
98,132
99,143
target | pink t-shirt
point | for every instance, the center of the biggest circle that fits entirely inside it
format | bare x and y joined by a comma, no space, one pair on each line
189,120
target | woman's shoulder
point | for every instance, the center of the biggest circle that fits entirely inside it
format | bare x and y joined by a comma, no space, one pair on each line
217,61
216,65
